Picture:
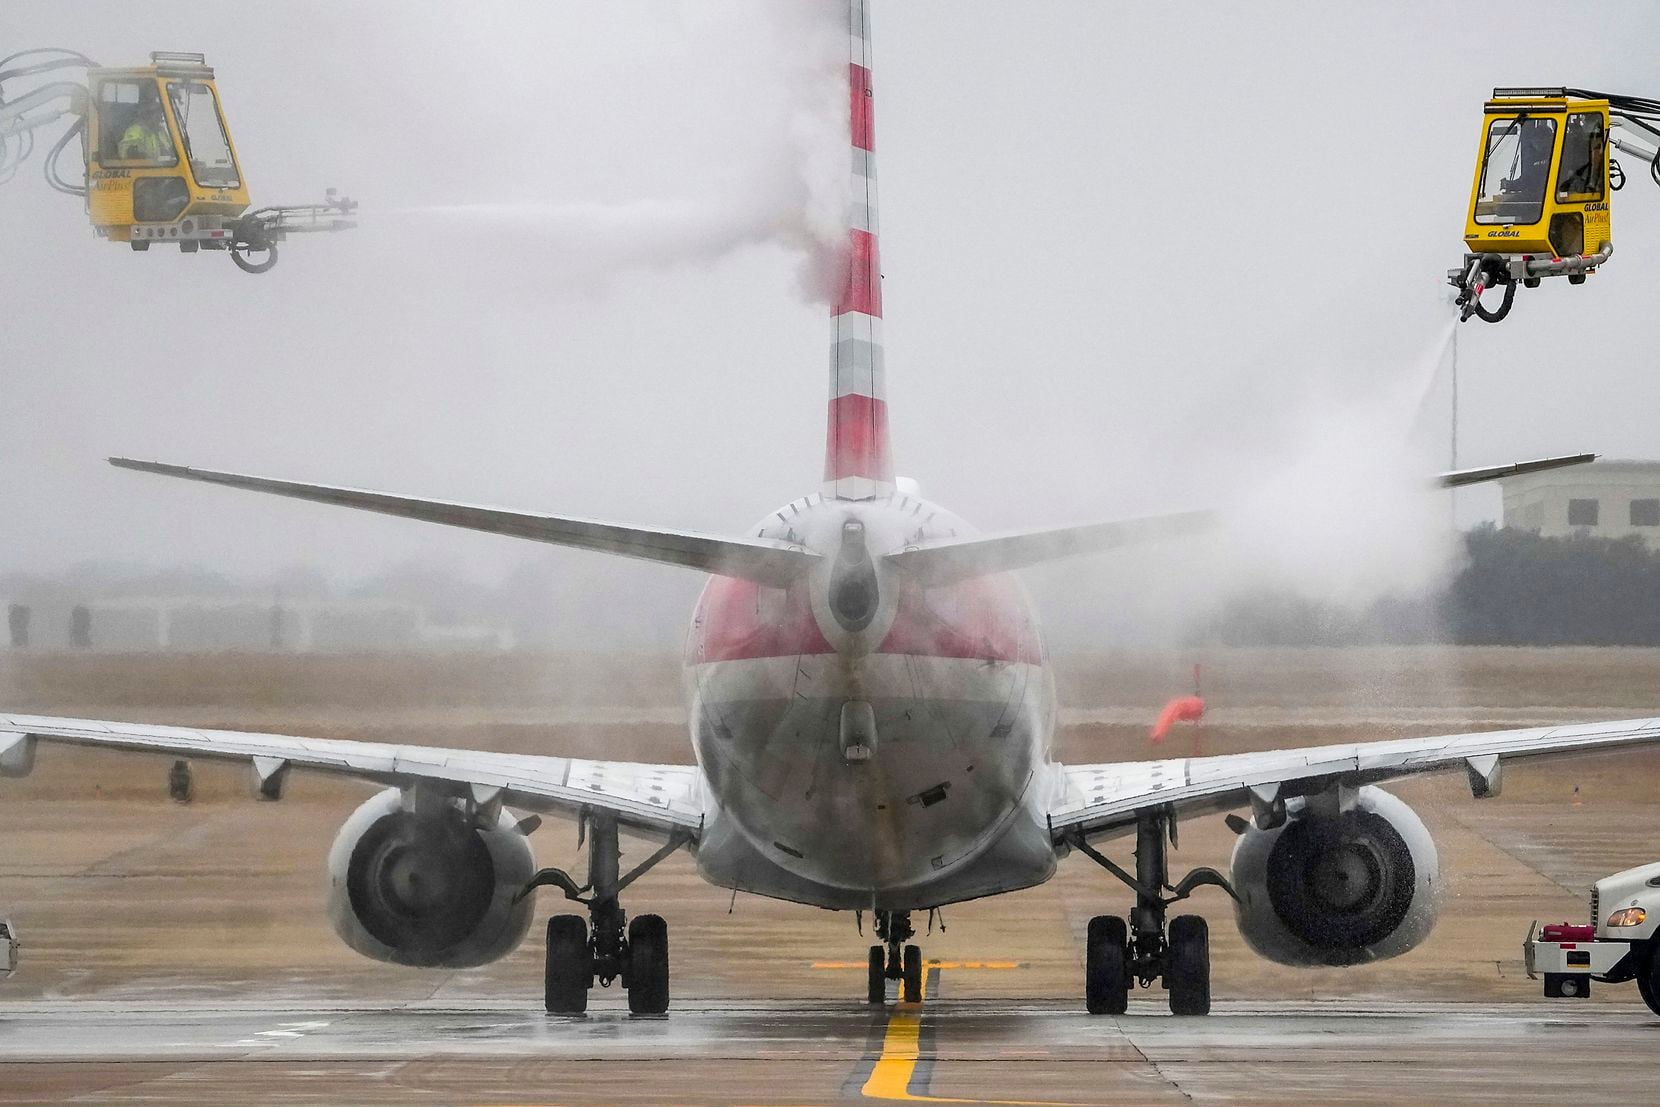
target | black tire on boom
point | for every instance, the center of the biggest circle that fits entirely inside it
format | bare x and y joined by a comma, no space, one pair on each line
1187,965
242,253
876,988
569,971
648,965
1106,966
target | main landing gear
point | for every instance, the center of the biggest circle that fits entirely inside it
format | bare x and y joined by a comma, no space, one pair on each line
1146,950
605,946
894,959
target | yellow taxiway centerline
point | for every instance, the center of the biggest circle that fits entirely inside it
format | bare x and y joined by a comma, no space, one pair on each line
890,1078
926,965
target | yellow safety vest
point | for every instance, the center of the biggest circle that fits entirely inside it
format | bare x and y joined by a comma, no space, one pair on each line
142,143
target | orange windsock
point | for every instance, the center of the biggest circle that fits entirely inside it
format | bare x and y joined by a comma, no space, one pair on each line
1182,709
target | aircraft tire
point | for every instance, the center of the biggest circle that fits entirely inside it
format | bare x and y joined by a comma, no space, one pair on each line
1106,966
876,989
569,970
1187,966
648,965
913,975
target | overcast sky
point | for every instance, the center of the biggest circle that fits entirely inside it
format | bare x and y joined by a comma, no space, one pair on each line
1136,257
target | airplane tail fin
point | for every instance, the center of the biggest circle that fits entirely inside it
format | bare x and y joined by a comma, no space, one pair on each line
858,463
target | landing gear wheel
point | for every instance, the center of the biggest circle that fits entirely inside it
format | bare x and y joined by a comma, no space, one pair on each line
1106,966
876,989
648,965
1187,966
570,968
913,975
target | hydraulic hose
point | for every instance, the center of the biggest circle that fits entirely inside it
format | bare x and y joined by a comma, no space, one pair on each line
1487,316
51,168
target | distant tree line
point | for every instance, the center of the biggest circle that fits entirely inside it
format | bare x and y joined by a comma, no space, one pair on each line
1516,589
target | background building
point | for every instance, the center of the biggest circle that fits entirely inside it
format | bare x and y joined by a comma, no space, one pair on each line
190,611
1607,499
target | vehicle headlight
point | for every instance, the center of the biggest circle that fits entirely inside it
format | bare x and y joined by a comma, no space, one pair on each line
1627,916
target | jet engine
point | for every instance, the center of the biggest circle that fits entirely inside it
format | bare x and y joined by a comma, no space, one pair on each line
1348,877
426,885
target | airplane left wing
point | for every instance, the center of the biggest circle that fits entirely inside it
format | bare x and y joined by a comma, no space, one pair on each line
1102,800
657,799
762,560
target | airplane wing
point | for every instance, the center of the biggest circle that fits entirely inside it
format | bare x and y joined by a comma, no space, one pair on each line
953,559
1458,478
657,799
758,559
1102,800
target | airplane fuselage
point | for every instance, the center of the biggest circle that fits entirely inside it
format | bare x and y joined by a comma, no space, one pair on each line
868,742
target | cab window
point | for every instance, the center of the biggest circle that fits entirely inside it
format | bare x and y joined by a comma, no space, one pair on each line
132,128
205,142
1516,170
1583,154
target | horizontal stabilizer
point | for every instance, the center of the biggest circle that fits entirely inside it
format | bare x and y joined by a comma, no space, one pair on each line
756,559
1460,477
937,563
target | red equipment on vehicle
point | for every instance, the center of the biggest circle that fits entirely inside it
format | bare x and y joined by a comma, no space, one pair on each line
1567,932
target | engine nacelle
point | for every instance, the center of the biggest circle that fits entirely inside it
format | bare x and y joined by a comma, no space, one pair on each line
1331,887
428,889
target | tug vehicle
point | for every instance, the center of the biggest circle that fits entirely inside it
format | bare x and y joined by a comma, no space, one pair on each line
1616,946
159,164
1544,178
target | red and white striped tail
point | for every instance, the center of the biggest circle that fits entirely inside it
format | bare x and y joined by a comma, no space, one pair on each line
857,462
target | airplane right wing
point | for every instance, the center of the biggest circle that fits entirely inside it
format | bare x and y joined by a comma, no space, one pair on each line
952,559
1102,800
948,560
1458,478
662,800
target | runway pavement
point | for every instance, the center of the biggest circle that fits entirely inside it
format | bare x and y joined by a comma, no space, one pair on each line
757,1051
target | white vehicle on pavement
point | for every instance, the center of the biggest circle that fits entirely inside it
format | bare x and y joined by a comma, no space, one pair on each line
1617,945
8,948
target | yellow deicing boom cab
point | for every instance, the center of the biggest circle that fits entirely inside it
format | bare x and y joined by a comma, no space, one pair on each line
160,161
1541,183
1544,180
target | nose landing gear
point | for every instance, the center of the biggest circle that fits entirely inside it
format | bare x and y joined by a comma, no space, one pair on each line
1178,955
636,953
894,960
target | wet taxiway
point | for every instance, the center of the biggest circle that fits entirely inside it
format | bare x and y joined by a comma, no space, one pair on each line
944,1050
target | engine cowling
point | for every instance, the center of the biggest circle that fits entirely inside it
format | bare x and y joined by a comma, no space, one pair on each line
1337,887
430,889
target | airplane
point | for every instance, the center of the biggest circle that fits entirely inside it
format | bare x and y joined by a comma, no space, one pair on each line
872,715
